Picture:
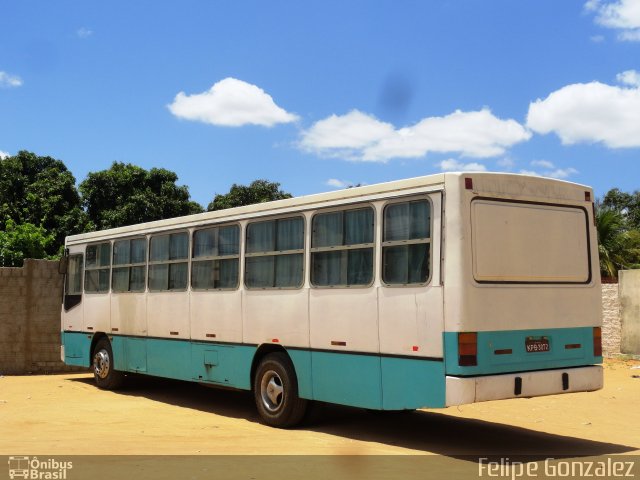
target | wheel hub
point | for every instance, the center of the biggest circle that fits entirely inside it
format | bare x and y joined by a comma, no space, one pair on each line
101,363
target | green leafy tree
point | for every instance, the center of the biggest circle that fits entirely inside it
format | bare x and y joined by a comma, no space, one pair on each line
627,204
258,191
126,194
18,242
40,191
618,245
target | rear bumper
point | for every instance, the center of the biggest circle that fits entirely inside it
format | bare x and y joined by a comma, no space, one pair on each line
461,390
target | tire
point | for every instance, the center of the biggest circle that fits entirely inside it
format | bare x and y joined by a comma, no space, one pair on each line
102,363
275,389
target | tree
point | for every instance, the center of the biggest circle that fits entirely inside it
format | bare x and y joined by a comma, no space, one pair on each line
18,242
627,204
258,191
40,191
618,245
126,194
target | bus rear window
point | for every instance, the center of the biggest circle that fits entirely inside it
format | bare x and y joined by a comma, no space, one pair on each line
518,242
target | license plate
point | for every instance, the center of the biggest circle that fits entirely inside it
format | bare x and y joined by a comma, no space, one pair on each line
537,345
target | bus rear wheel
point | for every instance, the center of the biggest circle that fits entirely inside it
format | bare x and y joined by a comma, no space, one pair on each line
275,389
103,372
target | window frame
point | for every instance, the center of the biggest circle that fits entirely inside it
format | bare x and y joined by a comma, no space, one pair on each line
395,243
130,265
101,267
193,260
274,253
186,260
359,246
72,300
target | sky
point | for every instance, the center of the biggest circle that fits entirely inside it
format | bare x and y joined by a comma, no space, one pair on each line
320,95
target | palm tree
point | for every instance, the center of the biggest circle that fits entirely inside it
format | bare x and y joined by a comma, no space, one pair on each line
618,245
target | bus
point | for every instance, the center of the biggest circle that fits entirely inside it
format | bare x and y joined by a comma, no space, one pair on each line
435,291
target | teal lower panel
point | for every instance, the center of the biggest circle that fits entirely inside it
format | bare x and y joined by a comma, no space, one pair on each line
519,360
77,346
302,364
169,358
412,383
228,365
348,379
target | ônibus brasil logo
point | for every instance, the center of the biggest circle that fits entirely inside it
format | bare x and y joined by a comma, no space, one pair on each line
32,468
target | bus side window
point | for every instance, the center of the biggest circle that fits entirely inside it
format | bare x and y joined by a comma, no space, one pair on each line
216,256
98,268
342,248
129,265
168,261
274,253
406,243
73,282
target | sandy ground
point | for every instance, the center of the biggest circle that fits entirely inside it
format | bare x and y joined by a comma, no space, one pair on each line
68,415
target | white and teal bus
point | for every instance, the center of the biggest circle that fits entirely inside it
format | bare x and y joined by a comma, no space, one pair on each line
429,292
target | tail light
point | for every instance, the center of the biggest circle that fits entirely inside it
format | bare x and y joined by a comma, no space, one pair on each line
467,349
597,342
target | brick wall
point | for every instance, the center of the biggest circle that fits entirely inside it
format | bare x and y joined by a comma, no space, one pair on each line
30,299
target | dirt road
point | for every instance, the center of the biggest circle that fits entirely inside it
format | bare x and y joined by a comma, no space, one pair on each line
68,415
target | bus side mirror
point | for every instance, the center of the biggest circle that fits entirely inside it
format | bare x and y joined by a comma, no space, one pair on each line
63,265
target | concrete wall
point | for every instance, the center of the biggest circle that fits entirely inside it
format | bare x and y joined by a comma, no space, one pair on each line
30,299
630,311
610,319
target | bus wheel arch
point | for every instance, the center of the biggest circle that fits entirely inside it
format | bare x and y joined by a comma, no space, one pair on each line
275,388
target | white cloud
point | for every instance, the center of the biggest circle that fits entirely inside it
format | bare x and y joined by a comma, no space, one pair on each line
334,182
3,155
84,32
506,162
542,163
597,38
561,173
629,77
550,170
8,80
231,103
453,165
623,15
358,136
589,113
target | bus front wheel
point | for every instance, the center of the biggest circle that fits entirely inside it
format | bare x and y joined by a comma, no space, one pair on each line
275,388
103,372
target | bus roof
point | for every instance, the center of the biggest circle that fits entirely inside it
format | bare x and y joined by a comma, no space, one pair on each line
283,206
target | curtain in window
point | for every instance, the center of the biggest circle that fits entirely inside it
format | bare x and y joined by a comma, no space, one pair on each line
358,226
359,266
120,279
159,249
288,271
228,273
261,237
121,252
179,246
260,271
158,277
204,243
139,250
136,279
229,240
290,234
178,276
327,230
326,268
